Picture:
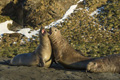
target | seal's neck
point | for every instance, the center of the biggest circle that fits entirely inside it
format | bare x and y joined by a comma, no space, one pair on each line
63,51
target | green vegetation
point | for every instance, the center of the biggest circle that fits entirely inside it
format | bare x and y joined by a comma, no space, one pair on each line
12,45
86,34
94,4
110,15
4,18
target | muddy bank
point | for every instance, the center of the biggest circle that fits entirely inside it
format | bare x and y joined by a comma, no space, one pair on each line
56,72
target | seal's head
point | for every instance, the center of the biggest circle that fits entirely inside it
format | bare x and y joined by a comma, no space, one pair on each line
96,66
42,32
43,35
54,33
56,42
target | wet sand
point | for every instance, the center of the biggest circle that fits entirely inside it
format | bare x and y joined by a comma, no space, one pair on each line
55,72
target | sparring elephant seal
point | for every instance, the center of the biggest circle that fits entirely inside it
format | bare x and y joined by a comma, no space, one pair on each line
109,63
44,50
41,56
64,53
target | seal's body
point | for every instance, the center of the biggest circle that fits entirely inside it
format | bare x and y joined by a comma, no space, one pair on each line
64,53
26,59
44,49
41,56
105,64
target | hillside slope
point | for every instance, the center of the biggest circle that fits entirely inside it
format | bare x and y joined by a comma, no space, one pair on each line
92,25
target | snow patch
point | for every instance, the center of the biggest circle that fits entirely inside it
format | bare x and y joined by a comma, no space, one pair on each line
68,12
27,32
22,41
80,1
4,28
14,42
97,11
71,10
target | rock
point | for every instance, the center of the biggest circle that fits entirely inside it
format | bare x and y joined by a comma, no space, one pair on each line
3,4
68,72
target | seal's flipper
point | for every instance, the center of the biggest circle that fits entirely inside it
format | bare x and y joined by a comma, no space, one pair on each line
41,62
7,61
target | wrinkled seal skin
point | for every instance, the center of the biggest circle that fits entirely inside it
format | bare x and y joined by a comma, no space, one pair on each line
40,57
105,64
64,53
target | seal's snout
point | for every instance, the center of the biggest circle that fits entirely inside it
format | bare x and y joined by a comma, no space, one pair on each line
91,66
43,31
50,31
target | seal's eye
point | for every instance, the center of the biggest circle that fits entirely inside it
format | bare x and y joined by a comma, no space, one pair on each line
55,30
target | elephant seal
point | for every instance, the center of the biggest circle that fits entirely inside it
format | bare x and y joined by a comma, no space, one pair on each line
109,63
44,50
41,56
64,54
26,59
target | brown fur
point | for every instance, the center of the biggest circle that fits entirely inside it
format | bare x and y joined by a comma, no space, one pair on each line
41,56
64,53
105,64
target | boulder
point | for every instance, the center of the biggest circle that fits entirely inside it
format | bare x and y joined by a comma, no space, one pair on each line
3,3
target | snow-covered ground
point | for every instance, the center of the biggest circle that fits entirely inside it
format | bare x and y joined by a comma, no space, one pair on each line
97,11
27,32
80,1
3,27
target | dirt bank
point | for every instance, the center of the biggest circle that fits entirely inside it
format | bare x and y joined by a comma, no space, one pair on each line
56,72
